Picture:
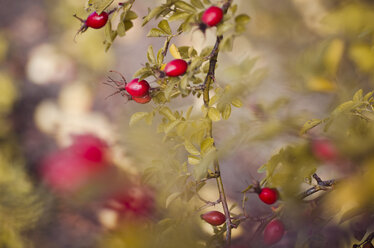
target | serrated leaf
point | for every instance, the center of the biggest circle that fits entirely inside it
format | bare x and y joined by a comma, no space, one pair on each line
206,145
171,198
358,96
185,6
226,112
191,148
137,117
153,13
151,55
197,4
236,102
343,107
99,5
193,160
171,126
309,125
164,26
214,114
154,32
167,113
174,51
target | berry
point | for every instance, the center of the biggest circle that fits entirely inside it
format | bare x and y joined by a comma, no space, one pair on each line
137,88
273,232
142,100
214,218
212,16
176,68
96,21
268,196
324,150
89,147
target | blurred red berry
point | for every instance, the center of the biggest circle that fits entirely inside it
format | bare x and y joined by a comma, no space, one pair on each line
214,218
273,232
142,100
212,16
137,88
176,68
90,147
268,196
324,150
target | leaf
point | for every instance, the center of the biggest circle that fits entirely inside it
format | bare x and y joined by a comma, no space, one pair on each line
223,28
171,126
191,148
121,29
164,26
368,95
171,198
185,6
167,113
141,71
197,4
169,89
226,112
174,51
131,15
214,114
321,84
178,15
343,107
151,55
242,19
189,111
99,5
154,32
153,13
206,145
193,160
357,97
309,125
137,117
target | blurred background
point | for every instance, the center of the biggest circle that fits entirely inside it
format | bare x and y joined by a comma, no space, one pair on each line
54,105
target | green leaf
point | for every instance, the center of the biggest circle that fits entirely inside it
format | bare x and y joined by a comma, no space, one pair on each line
137,117
141,72
171,198
185,6
193,160
99,5
309,125
347,106
131,15
357,97
223,28
191,148
368,95
197,4
171,126
226,112
242,19
189,111
196,63
206,145
153,13
178,15
121,30
164,26
151,55
154,32
167,113
237,103
214,114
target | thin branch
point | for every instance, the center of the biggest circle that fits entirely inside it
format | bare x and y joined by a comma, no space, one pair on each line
321,185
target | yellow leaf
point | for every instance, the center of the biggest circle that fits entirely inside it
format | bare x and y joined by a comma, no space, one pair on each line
321,85
175,52
333,55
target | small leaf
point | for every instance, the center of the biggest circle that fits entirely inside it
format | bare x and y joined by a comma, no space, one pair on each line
357,97
197,4
167,113
171,126
206,145
99,5
242,19
193,160
178,15
164,26
121,30
343,107
214,114
191,148
151,55
131,15
237,103
226,112
309,125
171,198
137,117
154,32
185,6
174,51
153,13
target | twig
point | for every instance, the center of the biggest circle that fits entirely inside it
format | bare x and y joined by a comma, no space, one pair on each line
321,185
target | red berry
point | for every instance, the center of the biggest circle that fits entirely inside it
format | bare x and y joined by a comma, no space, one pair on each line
268,196
90,147
273,232
137,88
142,100
176,68
212,16
97,21
324,150
214,218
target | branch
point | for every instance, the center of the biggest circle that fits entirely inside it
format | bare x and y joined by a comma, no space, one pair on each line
321,185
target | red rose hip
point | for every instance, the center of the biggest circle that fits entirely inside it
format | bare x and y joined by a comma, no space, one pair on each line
324,150
268,196
176,68
273,232
142,100
137,88
214,218
97,21
212,16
